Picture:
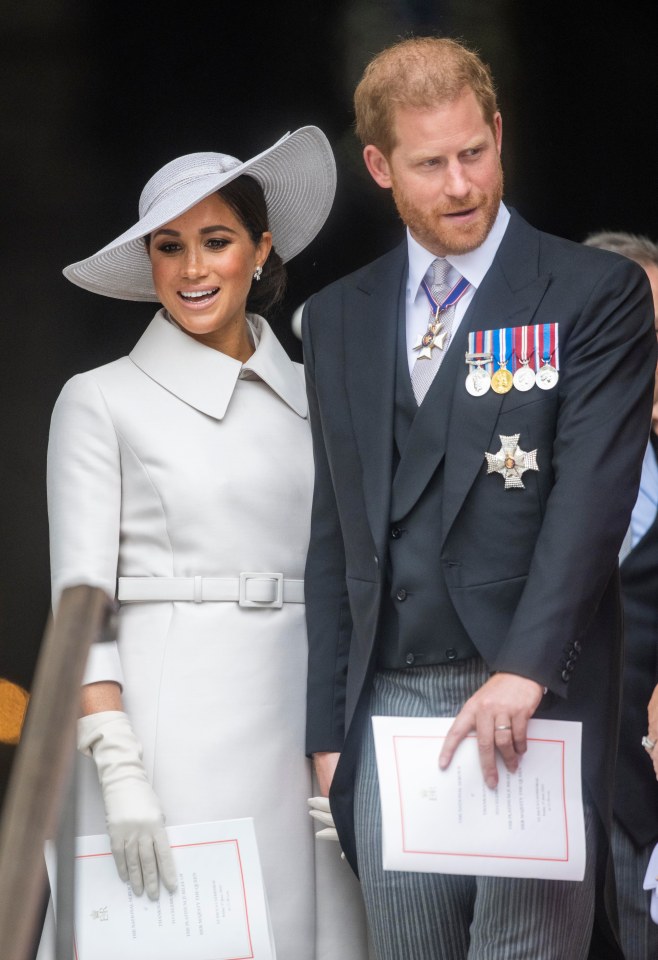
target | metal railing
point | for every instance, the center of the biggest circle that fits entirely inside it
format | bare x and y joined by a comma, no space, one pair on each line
39,798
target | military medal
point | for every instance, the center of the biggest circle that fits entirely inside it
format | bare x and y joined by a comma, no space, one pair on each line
547,374
479,356
478,380
511,461
524,375
502,380
436,334
533,351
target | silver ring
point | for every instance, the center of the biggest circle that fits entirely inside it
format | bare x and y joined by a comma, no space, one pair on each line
503,726
648,744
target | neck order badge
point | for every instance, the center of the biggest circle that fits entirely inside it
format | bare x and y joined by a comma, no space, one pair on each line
437,333
439,327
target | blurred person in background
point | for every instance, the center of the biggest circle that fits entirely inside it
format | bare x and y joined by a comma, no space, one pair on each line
635,802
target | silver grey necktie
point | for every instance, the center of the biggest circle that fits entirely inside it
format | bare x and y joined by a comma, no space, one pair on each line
425,368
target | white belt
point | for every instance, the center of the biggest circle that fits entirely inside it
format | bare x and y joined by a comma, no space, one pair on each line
248,590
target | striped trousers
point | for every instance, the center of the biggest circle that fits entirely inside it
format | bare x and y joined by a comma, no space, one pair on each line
431,916
639,934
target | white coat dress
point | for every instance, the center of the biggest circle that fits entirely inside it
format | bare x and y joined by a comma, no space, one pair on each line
179,461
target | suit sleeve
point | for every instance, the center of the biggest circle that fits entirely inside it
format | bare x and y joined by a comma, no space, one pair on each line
327,608
84,504
605,397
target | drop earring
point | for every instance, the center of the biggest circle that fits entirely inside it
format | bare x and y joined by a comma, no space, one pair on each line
258,272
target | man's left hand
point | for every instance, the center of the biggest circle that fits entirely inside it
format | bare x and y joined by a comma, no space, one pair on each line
498,713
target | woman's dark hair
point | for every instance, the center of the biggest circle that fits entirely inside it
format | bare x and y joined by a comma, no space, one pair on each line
245,197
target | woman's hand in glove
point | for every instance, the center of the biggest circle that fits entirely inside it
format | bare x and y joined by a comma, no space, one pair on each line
135,821
321,812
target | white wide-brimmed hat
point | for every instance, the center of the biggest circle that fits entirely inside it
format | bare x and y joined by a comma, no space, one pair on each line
298,177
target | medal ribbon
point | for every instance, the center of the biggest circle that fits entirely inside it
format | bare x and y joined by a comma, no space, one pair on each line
488,348
520,347
455,294
503,356
546,345
481,341
513,346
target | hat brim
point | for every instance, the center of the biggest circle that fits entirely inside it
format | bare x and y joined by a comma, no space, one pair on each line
298,177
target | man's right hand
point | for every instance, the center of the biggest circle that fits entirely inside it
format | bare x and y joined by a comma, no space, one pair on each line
325,766
498,713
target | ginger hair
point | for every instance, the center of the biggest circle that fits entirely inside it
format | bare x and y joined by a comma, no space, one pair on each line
419,72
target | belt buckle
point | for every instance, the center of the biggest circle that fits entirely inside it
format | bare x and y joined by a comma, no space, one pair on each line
277,578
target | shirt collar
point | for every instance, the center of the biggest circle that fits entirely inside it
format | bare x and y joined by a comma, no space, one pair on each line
205,378
472,265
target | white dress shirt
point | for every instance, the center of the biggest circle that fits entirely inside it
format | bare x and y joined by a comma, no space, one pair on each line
473,266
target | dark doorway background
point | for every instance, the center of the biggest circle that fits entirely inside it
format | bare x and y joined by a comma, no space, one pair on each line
95,96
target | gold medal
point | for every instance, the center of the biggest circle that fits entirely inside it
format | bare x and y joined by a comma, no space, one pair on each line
502,381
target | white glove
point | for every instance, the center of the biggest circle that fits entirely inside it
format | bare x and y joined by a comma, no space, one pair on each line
321,812
651,883
135,821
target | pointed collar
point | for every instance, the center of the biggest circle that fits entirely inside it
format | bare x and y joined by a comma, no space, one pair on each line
205,378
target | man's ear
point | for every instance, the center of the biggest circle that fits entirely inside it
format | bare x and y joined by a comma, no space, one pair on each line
378,166
498,131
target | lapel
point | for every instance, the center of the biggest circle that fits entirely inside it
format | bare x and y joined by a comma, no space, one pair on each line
371,312
450,422
508,296
205,378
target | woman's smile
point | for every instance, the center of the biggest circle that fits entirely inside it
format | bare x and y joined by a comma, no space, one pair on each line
203,263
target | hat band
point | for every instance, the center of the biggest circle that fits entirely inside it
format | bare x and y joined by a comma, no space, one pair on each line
207,170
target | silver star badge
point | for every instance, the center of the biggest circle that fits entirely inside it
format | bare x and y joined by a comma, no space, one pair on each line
511,461
431,338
